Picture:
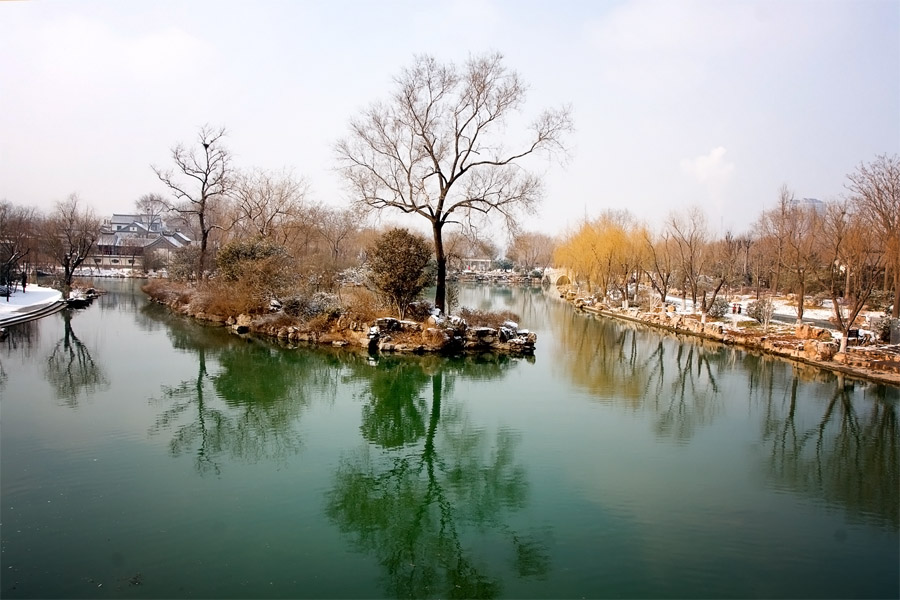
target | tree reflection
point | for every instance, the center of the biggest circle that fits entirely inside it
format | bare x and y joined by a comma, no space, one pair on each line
19,339
436,485
826,436
244,401
846,451
70,368
675,379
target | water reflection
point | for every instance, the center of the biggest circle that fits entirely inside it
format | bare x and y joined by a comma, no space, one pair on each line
245,400
435,485
18,339
844,452
70,369
678,380
827,437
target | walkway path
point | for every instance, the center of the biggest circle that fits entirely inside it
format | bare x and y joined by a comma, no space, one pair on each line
33,303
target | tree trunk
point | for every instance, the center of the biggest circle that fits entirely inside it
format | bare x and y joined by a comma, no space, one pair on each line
440,292
801,294
895,312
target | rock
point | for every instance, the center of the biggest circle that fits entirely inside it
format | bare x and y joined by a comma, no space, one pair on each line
387,324
242,323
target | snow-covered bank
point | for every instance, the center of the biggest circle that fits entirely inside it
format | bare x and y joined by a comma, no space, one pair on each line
805,343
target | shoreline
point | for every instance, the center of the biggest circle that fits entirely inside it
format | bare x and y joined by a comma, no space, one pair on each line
449,336
862,362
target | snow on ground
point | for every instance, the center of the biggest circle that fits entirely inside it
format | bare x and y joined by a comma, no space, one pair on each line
785,309
33,297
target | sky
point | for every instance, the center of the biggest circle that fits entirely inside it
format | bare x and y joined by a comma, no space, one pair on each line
675,103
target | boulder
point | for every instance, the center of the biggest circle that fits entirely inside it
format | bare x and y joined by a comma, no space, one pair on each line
242,323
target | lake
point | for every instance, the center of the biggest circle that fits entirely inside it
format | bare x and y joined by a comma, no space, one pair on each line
145,455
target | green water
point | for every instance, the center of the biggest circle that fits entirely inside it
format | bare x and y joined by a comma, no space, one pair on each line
146,456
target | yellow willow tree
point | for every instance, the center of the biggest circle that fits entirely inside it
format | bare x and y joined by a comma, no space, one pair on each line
605,252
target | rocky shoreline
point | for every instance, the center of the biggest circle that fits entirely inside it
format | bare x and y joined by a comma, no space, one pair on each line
436,335
805,343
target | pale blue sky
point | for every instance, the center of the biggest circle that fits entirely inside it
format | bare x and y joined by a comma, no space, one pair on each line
715,103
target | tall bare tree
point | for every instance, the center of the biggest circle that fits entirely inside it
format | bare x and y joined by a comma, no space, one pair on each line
152,207
16,237
532,250
660,264
794,227
875,191
435,149
69,235
265,202
200,183
336,227
689,233
855,261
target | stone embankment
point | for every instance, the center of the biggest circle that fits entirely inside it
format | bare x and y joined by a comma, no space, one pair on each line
436,335
805,343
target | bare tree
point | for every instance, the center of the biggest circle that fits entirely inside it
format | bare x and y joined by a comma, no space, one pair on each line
265,202
200,184
435,148
151,206
532,250
854,260
660,265
792,229
689,233
336,227
16,237
875,191
69,235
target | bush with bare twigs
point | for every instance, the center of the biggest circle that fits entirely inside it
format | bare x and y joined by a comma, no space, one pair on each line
484,318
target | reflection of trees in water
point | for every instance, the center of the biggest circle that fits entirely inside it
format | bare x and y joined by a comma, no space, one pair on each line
845,449
619,362
20,339
70,368
247,406
420,504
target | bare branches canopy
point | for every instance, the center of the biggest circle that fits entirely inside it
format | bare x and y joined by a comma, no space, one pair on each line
436,147
200,183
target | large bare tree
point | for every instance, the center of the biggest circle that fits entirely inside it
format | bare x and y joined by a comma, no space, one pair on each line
200,183
690,235
855,263
435,148
16,237
69,235
266,202
875,191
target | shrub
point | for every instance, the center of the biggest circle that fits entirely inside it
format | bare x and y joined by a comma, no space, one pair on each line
360,304
881,326
484,318
398,261
761,310
230,299
719,308
167,292
183,263
312,306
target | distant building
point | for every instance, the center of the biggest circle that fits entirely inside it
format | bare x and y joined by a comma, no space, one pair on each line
125,240
813,203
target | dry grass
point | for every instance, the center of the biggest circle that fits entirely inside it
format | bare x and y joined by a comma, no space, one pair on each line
168,292
484,318
360,304
228,299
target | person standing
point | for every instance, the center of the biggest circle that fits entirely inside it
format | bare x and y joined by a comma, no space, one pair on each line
24,280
